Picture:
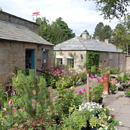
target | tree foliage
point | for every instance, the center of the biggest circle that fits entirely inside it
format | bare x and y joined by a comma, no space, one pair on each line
121,35
56,32
112,8
104,32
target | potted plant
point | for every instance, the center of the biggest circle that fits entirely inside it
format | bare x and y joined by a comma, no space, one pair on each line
118,78
123,85
113,88
96,92
120,88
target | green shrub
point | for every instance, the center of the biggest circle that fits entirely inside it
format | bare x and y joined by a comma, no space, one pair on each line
93,69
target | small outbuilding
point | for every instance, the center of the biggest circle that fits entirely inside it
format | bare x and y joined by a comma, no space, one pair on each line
21,46
74,52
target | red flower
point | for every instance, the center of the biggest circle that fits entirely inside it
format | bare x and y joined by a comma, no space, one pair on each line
67,98
52,72
43,120
35,122
43,117
112,115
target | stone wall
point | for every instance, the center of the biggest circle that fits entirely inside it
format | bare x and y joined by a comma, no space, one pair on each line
112,60
20,21
79,63
12,54
128,63
106,59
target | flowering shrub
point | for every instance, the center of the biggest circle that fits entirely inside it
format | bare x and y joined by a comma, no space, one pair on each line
97,89
63,76
100,117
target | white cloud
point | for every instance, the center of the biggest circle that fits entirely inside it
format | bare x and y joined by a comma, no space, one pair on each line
78,14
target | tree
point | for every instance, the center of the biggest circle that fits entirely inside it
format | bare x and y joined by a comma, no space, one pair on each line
121,36
0,9
56,32
107,32
67,32
112,8
104,32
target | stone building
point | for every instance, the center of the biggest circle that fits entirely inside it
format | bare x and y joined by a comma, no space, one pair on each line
73,52
21,46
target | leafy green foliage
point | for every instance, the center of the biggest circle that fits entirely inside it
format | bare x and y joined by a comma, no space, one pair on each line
97,91
112,8
104,32
56,32
92,59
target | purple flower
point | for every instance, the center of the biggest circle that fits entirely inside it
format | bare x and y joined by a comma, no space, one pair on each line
25,108
75,91
80,92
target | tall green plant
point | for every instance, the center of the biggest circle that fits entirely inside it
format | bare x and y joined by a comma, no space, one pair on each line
29,87
92,59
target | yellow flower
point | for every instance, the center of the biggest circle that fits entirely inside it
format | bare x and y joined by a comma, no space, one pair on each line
72,87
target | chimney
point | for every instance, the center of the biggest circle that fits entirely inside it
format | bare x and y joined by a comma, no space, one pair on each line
107,41
97,38
85,35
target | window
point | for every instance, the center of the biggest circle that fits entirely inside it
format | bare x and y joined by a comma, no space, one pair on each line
45,58
70,62
59,61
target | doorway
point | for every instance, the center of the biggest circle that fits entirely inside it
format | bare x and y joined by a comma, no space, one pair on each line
30,60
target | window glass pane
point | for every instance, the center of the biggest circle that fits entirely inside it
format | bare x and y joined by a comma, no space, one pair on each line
59,61
70,62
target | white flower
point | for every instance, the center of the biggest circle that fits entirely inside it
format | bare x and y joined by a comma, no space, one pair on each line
120,123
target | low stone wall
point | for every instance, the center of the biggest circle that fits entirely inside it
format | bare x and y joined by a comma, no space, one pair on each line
127,63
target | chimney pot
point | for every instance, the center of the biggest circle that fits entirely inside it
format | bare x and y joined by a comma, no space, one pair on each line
85,35
107,41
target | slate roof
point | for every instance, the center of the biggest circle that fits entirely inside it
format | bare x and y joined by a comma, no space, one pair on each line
79,44
14,32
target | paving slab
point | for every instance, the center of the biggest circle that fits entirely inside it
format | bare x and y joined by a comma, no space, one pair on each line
122,128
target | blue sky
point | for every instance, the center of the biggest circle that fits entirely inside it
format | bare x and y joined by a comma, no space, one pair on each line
78,14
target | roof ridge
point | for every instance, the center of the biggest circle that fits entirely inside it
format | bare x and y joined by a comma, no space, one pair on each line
81,43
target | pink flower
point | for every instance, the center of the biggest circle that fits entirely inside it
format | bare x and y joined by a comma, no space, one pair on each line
20,126
10,102
90,87
52,72
57,69
25,108
65,74
75,91
68,79
92,76
62,70
58,72
79,80
102,78
80,92
62,74
98,79
84,89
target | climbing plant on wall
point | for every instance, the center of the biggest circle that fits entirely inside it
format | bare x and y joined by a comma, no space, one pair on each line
92,59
